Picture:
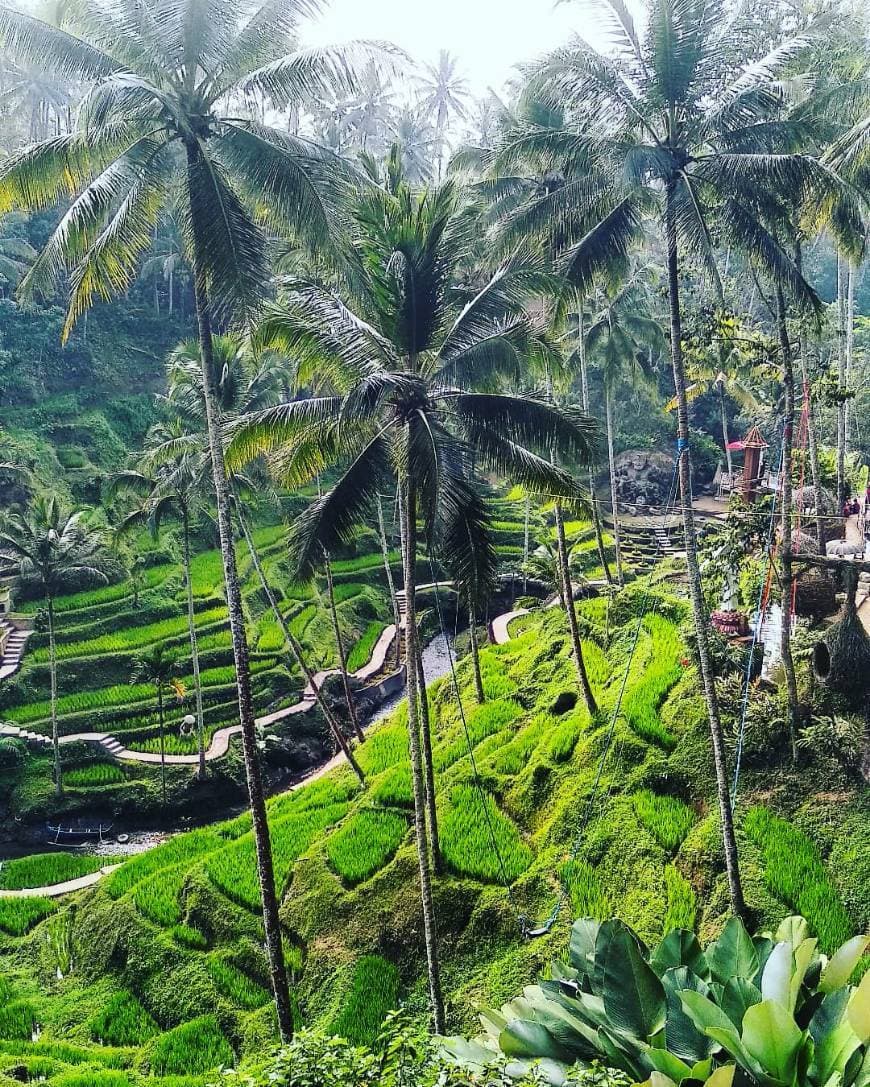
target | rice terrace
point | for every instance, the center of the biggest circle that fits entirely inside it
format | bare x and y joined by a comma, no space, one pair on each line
434,563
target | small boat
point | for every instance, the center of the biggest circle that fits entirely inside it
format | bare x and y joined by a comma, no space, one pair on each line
76,836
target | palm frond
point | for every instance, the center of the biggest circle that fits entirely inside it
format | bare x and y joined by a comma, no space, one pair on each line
265,431
50,48
525,420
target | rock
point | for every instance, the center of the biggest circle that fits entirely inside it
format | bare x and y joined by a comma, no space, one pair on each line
643,477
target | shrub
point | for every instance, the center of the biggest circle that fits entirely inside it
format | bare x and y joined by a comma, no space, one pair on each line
123,1021
794,872
364,843
236,985
196,1046
19,915
94,775
667,818
467,832
374,991
44,869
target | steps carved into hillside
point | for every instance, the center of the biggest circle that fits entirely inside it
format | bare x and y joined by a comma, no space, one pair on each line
14,641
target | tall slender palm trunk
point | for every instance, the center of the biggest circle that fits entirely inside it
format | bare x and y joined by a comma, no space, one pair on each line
52,668
571,612
296,649
786,513
391,585
475,656
161,727
527,518
841,382
850,351
342,655
723,415
428,767
593,497
430,931
812,437
614,497
699,610
194,650
256,793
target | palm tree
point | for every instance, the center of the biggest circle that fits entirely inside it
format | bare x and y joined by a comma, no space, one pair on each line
169,479
155,128
443,94
52,549
672,124
406,353
157,667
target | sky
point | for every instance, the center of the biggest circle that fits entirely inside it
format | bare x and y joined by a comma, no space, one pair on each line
488,36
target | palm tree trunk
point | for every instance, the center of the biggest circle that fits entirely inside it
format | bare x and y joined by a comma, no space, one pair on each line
785,528
162,745
194,650
475,656
428,768
614,497
528,513
430,931
812,439
723,414
391,585
339,643
850,348
841,383
570,611
593,497
696,592
256,793
52,668
296,650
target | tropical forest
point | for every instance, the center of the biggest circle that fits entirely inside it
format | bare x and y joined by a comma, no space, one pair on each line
434,562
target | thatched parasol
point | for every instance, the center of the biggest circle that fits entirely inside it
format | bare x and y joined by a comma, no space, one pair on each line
841,660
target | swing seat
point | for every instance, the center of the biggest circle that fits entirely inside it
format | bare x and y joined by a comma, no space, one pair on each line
538,931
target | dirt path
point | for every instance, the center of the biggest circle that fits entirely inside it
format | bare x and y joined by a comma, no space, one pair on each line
55,890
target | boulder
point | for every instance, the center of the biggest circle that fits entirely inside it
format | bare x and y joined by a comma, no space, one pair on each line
643,477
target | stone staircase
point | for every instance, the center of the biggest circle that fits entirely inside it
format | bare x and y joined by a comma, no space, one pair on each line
32,739
13,640
645,542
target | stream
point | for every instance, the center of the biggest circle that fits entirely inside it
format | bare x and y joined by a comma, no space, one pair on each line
436,663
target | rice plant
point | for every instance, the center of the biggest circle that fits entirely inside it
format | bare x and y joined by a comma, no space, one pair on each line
682,908
122,1021
364,562
515,755
157,898
795,873
364,843
183,848
384,747
193,1047
559,745
361,651
19,915
92,1078
374,991
189,937
44,869
94,775
235,985
465,838
394,787
667,818
87,598
17,1020
588,897
641,703
133,637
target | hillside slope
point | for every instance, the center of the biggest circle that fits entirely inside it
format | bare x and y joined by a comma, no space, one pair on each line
120,981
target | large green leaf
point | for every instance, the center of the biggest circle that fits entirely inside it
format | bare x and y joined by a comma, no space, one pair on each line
681,1034
859,1009
665,1062
834,1039
804,956
679,948
773,1039
842,964
526,1038
634,998
794,929
776,976
733,954
584,934
738,994
703,1012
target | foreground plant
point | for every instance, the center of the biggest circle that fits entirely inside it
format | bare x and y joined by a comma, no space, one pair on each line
768,1006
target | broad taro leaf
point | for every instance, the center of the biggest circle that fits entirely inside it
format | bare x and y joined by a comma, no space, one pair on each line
794,929
738,994
581,951
682,1036
528,1038
733,954
772,1037
776,976
804,956
679,948
835,1041
634,998
859,1009
842,964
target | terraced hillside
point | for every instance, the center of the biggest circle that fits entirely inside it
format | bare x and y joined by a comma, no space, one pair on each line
159,968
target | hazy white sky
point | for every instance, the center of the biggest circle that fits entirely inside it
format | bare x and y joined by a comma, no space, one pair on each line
488,36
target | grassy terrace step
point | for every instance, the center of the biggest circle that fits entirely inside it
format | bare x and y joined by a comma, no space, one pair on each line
44,869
